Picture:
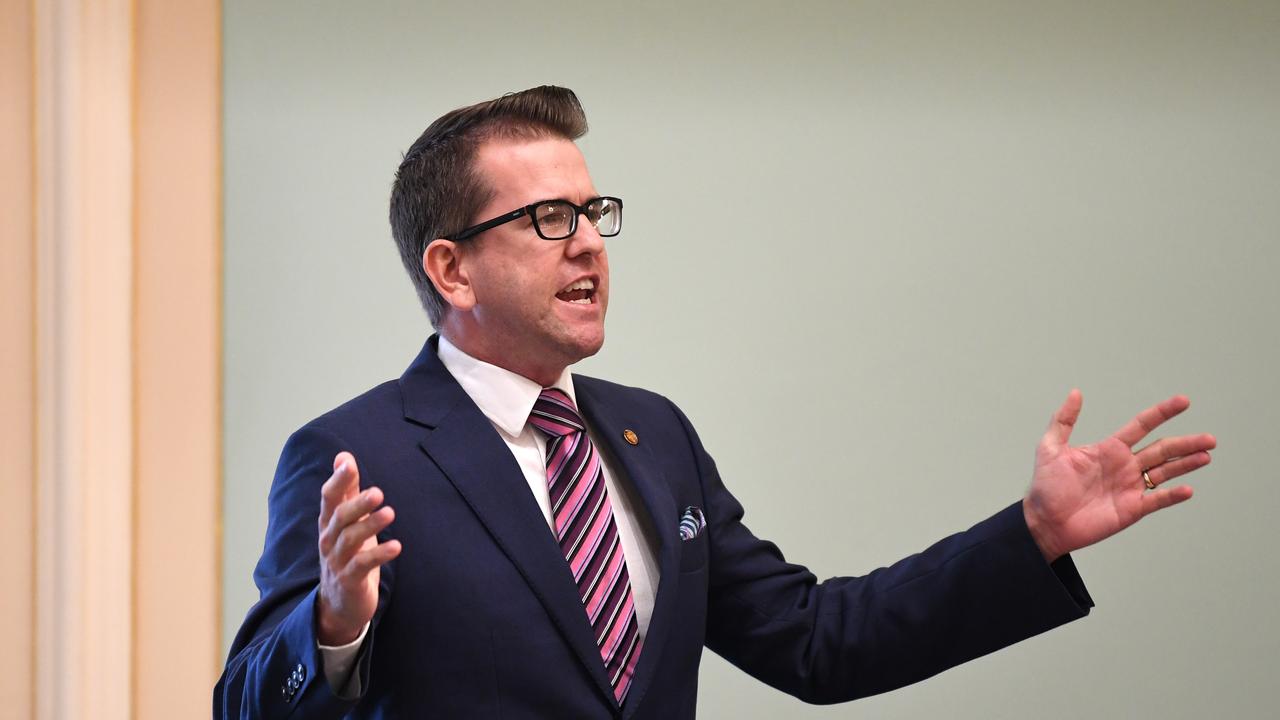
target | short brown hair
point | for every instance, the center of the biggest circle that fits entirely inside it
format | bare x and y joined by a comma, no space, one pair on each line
438,191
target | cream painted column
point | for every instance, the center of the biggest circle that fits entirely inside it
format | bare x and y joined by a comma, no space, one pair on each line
111,347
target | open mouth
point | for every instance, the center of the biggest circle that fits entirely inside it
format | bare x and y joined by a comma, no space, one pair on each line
581,292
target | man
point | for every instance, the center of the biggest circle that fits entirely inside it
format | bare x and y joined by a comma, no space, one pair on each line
561,546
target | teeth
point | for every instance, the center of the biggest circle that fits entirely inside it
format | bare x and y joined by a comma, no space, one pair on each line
580,285
583,301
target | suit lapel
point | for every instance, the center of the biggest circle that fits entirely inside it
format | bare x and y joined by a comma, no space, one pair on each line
609,422
464,445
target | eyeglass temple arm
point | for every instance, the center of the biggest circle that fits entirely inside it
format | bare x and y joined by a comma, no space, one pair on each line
489,224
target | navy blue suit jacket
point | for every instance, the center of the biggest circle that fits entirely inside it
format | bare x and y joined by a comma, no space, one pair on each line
479,616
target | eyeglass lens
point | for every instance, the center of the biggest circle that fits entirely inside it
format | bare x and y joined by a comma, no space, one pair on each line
556,219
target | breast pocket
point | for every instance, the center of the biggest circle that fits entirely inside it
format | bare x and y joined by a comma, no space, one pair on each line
693,553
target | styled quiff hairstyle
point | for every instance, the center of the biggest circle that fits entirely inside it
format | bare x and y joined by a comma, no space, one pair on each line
438,191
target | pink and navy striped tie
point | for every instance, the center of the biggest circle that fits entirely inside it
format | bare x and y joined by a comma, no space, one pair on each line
588,535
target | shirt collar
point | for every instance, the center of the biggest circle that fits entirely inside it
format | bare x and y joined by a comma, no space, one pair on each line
506,398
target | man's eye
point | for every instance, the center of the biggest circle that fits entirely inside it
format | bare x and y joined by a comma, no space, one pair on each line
553,216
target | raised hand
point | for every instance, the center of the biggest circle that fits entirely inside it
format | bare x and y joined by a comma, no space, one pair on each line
1080,495
350,555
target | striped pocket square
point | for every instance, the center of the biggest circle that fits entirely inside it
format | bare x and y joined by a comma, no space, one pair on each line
692,523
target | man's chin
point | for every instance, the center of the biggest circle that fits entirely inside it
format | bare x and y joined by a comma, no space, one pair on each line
584,346
591,349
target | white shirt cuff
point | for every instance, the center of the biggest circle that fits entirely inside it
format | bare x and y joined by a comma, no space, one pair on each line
338,662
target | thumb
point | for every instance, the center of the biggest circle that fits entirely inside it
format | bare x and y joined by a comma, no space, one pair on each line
348,474
1064,420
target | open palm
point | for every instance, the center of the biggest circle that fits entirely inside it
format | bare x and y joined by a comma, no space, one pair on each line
1080,495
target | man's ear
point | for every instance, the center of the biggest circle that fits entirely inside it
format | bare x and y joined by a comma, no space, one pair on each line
442,262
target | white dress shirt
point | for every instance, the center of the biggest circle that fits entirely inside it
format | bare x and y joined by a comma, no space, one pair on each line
506,399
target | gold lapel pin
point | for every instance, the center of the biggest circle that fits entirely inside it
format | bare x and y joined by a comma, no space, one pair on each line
630,436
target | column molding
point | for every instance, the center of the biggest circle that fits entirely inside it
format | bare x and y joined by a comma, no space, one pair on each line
84,257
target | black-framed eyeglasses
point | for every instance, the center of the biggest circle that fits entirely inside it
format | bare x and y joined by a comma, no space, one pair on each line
558,219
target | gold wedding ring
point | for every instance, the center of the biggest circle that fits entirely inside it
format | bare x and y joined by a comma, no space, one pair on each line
1146,480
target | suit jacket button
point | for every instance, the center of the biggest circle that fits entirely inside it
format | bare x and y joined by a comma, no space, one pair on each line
630,436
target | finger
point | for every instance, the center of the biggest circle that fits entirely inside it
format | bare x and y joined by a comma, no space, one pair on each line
1180,466
343,483
366,560
1166,449
347,513
1165,497
353,537
1064,420
357,507
1150,419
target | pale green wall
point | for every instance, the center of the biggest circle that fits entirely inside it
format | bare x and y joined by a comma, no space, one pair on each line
910,226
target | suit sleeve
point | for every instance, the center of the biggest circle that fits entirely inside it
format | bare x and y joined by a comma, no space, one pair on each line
274,669
850,637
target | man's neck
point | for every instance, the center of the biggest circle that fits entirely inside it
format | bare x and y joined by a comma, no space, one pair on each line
544,376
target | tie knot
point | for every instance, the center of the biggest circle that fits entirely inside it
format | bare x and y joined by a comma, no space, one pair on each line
554,414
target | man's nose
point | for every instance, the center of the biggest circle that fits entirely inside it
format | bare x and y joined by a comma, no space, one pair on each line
586,239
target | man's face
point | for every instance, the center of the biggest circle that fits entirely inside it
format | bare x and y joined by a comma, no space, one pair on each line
525,318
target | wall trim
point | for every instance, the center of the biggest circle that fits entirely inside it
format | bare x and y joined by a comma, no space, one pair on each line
17,356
